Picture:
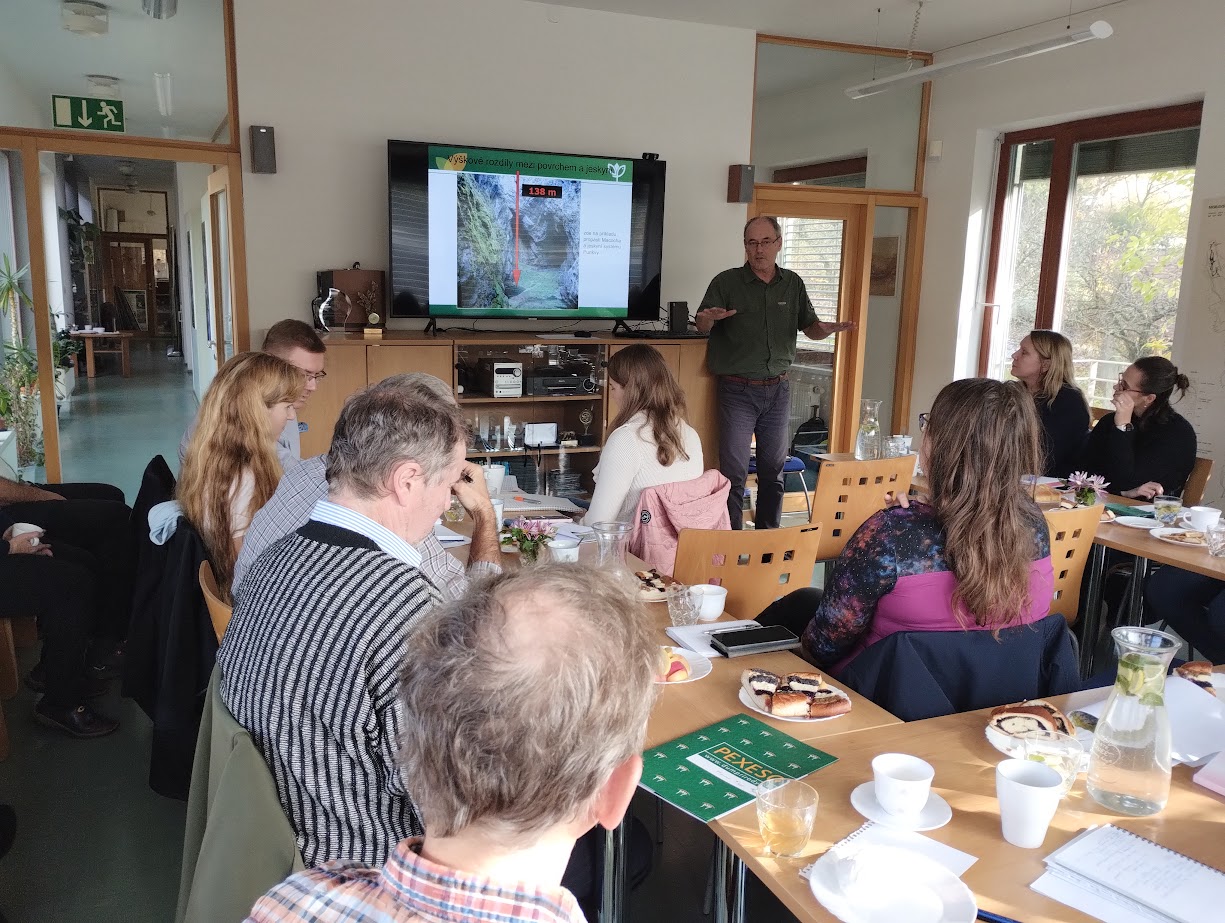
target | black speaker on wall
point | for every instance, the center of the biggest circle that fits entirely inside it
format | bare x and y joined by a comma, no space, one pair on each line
263,149
740,183
678,317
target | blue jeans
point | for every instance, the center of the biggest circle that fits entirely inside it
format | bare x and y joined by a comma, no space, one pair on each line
746,410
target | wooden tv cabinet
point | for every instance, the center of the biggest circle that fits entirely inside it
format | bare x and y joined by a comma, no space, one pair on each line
354,362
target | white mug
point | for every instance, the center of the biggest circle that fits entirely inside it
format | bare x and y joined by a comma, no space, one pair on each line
1029,794
499,511
1202,518
564,550
494,476
902,783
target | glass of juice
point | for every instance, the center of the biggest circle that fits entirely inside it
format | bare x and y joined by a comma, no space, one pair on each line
786,810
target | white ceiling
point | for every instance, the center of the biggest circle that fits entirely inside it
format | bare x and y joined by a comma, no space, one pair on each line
783,68
944,23
47,59
149,174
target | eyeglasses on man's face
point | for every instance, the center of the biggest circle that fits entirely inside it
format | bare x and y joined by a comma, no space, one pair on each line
760,244
313,376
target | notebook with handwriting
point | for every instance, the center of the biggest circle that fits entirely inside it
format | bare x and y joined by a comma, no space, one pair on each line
1169,883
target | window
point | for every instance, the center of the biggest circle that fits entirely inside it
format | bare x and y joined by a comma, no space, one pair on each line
1088,239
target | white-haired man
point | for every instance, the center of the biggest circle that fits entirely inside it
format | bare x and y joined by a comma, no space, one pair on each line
321,618
502,801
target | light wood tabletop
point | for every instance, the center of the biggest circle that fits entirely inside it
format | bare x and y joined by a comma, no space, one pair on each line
117,341
965,777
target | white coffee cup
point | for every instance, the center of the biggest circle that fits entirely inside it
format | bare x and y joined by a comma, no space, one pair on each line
902,783
564,550
494,476
1029,794
21,528
1202,518
711,600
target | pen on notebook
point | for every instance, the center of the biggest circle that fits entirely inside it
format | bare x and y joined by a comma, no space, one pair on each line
526,500
994,917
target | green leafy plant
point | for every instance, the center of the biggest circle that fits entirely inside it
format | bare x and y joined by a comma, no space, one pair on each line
64,347
19,402
82,235
11,292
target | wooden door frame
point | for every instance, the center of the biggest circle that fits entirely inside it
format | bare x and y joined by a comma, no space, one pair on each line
782,199
132,237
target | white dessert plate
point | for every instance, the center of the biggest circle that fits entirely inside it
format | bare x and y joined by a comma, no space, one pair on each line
747,701
699,666
887,885
935,814
1137,522
1164,535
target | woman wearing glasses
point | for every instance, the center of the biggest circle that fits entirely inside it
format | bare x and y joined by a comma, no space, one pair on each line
231,467
1043,363
975,555
1144,448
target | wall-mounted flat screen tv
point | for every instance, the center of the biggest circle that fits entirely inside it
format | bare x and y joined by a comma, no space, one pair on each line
483,232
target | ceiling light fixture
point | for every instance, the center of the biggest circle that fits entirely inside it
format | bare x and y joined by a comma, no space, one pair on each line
161,9
163,85
919,75
102,86
83,17
125,168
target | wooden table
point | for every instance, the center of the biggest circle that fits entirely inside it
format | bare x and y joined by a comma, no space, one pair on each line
965,776
107,342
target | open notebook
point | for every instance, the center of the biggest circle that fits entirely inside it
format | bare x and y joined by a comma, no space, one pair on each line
1120,877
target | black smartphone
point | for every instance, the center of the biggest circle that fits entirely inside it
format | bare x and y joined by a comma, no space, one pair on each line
740,641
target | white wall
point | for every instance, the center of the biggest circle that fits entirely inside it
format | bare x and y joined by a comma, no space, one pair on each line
1161,53
17,108
191,184
55,241
486,72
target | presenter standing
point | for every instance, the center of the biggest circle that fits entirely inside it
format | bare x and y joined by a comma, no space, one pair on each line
752,314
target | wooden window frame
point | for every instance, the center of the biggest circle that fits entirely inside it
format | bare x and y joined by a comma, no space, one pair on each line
1065,136
821,170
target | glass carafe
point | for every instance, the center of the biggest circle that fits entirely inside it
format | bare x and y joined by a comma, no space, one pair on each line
1129,765
867,443
613,540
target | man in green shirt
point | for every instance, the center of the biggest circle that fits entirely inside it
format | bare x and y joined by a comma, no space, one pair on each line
752,314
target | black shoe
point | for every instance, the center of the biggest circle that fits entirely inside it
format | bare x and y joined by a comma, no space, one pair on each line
81,722
36,681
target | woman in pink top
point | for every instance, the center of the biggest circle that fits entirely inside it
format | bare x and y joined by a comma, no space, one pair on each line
975,555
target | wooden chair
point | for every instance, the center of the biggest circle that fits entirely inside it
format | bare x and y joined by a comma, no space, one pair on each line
1072,533
848,491
1197,482
218,610
757,566
1098,412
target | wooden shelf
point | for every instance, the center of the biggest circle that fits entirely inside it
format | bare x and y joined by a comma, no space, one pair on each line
514,453
597,396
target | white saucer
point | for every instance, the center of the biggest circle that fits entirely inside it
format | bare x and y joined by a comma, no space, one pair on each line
936,813
1138,522
890,884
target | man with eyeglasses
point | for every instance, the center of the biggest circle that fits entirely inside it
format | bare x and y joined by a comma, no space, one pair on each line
752,314
299,345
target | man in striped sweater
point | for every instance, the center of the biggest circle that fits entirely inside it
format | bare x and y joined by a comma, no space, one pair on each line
320,622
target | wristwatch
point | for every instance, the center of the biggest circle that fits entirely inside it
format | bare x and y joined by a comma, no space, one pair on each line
1124,428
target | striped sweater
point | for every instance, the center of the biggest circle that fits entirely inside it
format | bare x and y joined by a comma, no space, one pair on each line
309,666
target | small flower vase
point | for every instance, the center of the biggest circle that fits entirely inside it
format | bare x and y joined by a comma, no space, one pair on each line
530,551
1086,496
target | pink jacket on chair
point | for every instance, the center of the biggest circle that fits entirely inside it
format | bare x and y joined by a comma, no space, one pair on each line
664,510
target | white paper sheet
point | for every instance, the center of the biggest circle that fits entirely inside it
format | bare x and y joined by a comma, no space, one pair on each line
696,638
1197,720
871,834
449,538
535,503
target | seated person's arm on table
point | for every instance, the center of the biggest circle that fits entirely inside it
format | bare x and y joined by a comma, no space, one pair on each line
862,575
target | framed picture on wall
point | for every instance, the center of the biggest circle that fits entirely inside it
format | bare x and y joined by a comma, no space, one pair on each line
884,266
138,301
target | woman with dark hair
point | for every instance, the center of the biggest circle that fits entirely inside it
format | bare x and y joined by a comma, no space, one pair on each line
1144,447
1043,363
650,443
975,555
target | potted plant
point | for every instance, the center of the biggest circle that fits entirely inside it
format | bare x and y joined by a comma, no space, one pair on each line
1087,489
529,536
19,387
63,348
12,295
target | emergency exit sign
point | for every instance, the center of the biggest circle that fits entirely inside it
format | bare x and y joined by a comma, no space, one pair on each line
85,113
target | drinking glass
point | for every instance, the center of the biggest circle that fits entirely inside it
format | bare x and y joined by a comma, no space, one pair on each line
1216,541
1167,510
455,512
1062,752
683,605
786,810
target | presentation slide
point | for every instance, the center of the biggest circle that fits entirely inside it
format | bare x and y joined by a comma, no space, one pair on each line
528,234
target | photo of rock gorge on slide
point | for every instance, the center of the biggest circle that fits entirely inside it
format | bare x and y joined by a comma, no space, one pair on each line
535,268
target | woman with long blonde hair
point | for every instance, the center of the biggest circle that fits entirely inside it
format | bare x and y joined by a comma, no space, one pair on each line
231,466
650,443
974,556
1043,363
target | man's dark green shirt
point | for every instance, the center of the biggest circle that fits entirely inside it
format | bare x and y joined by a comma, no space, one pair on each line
759,340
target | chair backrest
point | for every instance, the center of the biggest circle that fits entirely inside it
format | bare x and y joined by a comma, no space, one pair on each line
1197,482
757,566
1098,412
218,610
850,491
1072,533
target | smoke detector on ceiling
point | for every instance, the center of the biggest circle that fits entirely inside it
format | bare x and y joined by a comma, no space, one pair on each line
84,17
102,86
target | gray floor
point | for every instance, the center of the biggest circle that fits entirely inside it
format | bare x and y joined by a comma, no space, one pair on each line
93,840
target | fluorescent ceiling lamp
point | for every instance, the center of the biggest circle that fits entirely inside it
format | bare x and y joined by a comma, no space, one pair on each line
82,17
162,84
161,9
1099,29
